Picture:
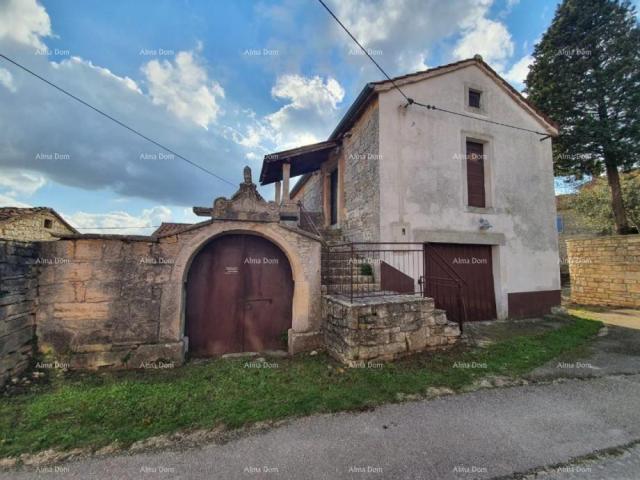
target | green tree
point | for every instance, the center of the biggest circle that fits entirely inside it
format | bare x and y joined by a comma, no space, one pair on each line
593,203
586,77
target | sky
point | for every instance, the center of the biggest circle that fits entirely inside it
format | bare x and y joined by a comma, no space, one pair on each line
222,83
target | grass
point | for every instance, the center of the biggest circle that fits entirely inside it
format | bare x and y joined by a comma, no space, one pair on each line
94,410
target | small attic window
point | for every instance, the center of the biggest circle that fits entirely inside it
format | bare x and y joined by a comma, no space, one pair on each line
474,98
48,223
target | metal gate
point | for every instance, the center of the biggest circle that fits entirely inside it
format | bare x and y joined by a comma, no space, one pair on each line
239,297
460,280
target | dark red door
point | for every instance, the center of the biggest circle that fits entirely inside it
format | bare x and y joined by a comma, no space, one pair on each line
239,297
472,266
333,196
475,175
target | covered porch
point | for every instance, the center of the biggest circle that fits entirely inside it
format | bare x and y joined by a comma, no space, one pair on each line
279,168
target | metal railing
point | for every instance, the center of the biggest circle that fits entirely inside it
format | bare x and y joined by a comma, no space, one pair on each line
378,269
307,222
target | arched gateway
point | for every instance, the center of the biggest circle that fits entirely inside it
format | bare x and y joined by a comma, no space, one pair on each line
239,296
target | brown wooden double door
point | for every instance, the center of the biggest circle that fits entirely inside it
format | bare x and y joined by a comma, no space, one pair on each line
470,263
239,297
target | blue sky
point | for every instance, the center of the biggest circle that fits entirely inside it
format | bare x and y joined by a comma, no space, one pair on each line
222,83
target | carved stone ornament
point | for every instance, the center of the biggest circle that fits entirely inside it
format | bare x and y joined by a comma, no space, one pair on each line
245,204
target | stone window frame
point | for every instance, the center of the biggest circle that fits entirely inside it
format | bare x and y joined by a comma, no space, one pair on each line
484,99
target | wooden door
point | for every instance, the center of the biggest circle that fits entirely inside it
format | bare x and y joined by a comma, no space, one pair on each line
475,175
239,297
470,263
333,196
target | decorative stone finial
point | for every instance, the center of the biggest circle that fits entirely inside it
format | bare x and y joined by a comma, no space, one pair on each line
247,175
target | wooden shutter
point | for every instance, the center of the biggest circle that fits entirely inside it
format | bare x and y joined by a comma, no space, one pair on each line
475,174
474,98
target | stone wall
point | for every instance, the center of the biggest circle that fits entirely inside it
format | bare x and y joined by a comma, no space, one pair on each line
605,270
383,329
573,225
18,287
118,302
99,302
31,227
361,153
311,193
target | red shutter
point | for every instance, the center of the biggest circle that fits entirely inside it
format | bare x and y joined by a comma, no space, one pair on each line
475,174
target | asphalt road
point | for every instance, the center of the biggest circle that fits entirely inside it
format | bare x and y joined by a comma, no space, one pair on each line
622,466
484,434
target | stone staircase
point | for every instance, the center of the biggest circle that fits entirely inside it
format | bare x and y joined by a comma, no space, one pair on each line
338,273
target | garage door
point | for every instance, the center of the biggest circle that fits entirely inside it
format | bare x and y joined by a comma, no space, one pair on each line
239,297
473,266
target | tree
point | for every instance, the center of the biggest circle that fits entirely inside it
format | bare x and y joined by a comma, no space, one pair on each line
586,77
593,203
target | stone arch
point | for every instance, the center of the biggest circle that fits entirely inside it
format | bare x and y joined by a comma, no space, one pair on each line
306,275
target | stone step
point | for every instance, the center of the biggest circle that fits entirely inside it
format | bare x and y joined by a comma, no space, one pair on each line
343,272
349,278
357,287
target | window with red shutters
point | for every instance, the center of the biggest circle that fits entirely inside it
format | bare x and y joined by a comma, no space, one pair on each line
475,175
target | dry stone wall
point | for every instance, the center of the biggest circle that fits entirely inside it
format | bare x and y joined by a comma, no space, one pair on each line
605,270
383,329
18,288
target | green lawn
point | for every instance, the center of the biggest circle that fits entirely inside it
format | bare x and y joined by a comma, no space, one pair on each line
93,410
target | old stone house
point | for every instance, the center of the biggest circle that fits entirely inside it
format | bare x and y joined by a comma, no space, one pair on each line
457,214
478,195
32,224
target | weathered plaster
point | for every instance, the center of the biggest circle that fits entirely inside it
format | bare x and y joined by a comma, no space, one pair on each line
423,179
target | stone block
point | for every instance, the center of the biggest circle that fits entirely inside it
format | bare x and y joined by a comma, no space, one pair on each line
88,250
80,311
304,341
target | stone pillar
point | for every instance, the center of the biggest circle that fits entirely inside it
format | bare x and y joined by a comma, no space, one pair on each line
286,169
278,190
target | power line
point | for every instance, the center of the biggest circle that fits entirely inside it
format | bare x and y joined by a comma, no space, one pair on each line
115,228
364,50
116,120
411,101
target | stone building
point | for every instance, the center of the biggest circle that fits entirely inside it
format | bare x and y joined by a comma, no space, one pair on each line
469,202
477,195
32,224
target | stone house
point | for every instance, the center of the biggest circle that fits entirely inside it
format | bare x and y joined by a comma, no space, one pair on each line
469,202
478,195
32,224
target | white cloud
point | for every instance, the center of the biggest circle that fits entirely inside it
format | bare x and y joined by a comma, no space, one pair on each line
519,71
305,92
184,88
9,201
6,79
311,111
489,38
402,32
95,153
16,182
24,22
104,72
108,222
